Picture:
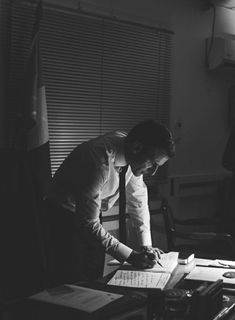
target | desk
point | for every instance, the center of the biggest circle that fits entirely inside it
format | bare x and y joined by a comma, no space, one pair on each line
86,301
155,303
154,297
178,274
152,309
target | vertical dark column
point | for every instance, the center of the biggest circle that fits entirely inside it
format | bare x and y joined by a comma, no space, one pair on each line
122,205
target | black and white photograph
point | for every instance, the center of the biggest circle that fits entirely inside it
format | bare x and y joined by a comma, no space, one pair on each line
117,159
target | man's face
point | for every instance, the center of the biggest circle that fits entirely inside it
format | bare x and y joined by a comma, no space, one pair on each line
147,164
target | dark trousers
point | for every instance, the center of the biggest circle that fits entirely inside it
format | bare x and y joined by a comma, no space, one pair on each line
71,254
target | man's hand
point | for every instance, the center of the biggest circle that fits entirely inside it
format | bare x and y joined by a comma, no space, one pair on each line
141,260
154,253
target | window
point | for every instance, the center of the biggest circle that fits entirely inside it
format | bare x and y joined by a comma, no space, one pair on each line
100,75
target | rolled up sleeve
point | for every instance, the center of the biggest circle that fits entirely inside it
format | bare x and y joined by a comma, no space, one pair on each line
88,204
137,207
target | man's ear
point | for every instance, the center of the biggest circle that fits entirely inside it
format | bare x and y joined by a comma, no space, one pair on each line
137,147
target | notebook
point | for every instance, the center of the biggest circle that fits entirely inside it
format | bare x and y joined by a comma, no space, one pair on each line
140,279
154,278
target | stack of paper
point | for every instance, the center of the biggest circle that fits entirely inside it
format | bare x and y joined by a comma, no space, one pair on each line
215,263
140,279
211,274
168,260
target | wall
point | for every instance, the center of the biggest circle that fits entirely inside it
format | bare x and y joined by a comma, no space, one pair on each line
225,21
3,73
199,102
199,98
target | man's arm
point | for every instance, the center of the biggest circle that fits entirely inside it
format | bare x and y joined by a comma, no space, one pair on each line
88,204
137,206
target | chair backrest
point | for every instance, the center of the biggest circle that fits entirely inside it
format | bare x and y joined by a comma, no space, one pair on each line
205,244
169,223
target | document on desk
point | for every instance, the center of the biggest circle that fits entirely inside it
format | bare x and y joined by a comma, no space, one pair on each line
168,261
215,263
210,274
140,279
85,299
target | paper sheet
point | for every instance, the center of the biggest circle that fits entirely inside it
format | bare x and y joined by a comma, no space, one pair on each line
203,262
226,262
140,279
210,274
216,262
168,260
80,298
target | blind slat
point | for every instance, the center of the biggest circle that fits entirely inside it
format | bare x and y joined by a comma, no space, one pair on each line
100,74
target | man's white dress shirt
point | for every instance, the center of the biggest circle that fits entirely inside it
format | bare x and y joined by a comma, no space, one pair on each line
88,181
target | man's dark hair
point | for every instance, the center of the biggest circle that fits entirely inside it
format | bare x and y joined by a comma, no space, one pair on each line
153,134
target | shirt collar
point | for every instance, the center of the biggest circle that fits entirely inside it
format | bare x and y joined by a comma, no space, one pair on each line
119,159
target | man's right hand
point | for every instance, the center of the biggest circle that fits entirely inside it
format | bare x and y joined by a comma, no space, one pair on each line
141,260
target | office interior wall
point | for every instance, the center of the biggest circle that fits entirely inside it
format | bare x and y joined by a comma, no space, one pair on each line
3,73
225,22
199,97
199,101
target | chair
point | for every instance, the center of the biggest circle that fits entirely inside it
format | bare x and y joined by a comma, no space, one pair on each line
204,244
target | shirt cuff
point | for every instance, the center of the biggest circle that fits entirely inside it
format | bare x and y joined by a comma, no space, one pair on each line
122,252
145,239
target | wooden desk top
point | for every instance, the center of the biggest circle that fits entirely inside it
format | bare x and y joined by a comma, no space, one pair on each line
179,273
177,277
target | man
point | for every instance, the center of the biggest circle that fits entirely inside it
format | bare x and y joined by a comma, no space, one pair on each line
86,184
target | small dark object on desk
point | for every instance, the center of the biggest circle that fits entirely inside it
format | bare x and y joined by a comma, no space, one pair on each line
185,257
177,302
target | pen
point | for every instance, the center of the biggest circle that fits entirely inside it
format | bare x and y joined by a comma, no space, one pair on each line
224,312
159,264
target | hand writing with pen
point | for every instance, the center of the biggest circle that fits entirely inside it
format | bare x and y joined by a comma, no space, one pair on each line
146,258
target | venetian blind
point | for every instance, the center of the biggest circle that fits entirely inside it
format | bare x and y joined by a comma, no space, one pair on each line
100,75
